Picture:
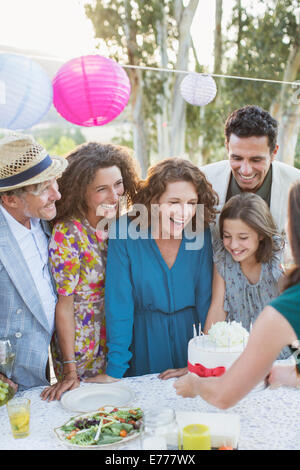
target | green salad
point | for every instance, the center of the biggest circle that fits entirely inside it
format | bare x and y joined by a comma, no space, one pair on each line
106,426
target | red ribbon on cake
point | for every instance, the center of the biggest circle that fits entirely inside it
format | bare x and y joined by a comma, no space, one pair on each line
202,371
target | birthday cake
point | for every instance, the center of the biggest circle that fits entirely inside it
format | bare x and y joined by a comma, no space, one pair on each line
212,354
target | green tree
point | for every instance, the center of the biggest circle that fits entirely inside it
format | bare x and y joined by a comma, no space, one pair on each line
267,46
59,140
262,40
153,33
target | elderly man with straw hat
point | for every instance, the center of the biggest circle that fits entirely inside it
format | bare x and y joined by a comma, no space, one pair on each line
28,192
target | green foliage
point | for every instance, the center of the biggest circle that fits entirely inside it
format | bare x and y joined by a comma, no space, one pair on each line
297,154
59,140
110,18
123,141
261,53
256,43
260,50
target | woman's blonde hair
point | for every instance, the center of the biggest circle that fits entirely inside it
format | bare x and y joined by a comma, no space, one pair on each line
254,211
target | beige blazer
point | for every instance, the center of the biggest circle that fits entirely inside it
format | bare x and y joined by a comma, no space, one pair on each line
283,175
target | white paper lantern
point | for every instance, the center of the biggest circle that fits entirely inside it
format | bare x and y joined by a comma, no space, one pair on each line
198,89
25,92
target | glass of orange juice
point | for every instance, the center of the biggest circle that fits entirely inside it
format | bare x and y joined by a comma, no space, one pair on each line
18,410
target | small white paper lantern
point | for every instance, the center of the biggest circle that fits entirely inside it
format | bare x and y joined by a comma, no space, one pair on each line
198,89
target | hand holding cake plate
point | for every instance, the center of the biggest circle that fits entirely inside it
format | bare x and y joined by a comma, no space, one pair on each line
212,354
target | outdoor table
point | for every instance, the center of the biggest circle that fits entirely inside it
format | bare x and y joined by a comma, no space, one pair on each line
270,418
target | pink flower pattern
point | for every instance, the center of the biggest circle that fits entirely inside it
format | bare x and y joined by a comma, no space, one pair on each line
78,260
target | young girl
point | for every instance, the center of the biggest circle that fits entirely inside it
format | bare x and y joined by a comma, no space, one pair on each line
247,261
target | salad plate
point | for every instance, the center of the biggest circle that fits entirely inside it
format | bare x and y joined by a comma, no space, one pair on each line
109,426
92,397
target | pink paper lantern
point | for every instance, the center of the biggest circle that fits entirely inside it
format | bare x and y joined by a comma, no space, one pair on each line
91,90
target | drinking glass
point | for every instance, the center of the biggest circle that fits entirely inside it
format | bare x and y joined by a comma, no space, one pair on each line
18,410
7,357
196,437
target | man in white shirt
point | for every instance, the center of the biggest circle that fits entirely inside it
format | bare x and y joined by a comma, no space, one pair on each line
251,143
28,191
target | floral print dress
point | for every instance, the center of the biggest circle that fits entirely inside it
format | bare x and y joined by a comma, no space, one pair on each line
78,259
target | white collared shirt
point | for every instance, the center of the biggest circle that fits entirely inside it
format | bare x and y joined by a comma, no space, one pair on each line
34,247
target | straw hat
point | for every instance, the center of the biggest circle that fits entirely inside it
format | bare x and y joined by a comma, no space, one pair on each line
23,162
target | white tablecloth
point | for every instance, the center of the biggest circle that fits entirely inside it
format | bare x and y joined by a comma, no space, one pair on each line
270,419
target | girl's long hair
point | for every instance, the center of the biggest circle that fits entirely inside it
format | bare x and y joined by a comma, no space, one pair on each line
254,211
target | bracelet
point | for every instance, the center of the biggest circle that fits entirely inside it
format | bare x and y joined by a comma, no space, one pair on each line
73,361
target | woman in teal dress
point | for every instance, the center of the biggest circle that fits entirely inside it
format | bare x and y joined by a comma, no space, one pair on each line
159,274
278,325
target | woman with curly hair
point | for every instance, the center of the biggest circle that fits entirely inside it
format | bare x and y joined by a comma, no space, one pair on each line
97,177
163,285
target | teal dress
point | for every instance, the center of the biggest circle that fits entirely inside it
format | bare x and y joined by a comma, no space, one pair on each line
288,304
151,309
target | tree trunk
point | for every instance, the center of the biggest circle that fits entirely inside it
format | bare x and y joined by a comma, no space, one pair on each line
184,18
285,109
218,46
218,37
162,118
140,134
239,34
288,135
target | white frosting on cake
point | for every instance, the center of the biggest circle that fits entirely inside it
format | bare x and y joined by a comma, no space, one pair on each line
202,350
220,348
228,334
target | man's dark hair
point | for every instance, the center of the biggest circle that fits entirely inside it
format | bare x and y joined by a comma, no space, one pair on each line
252,121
